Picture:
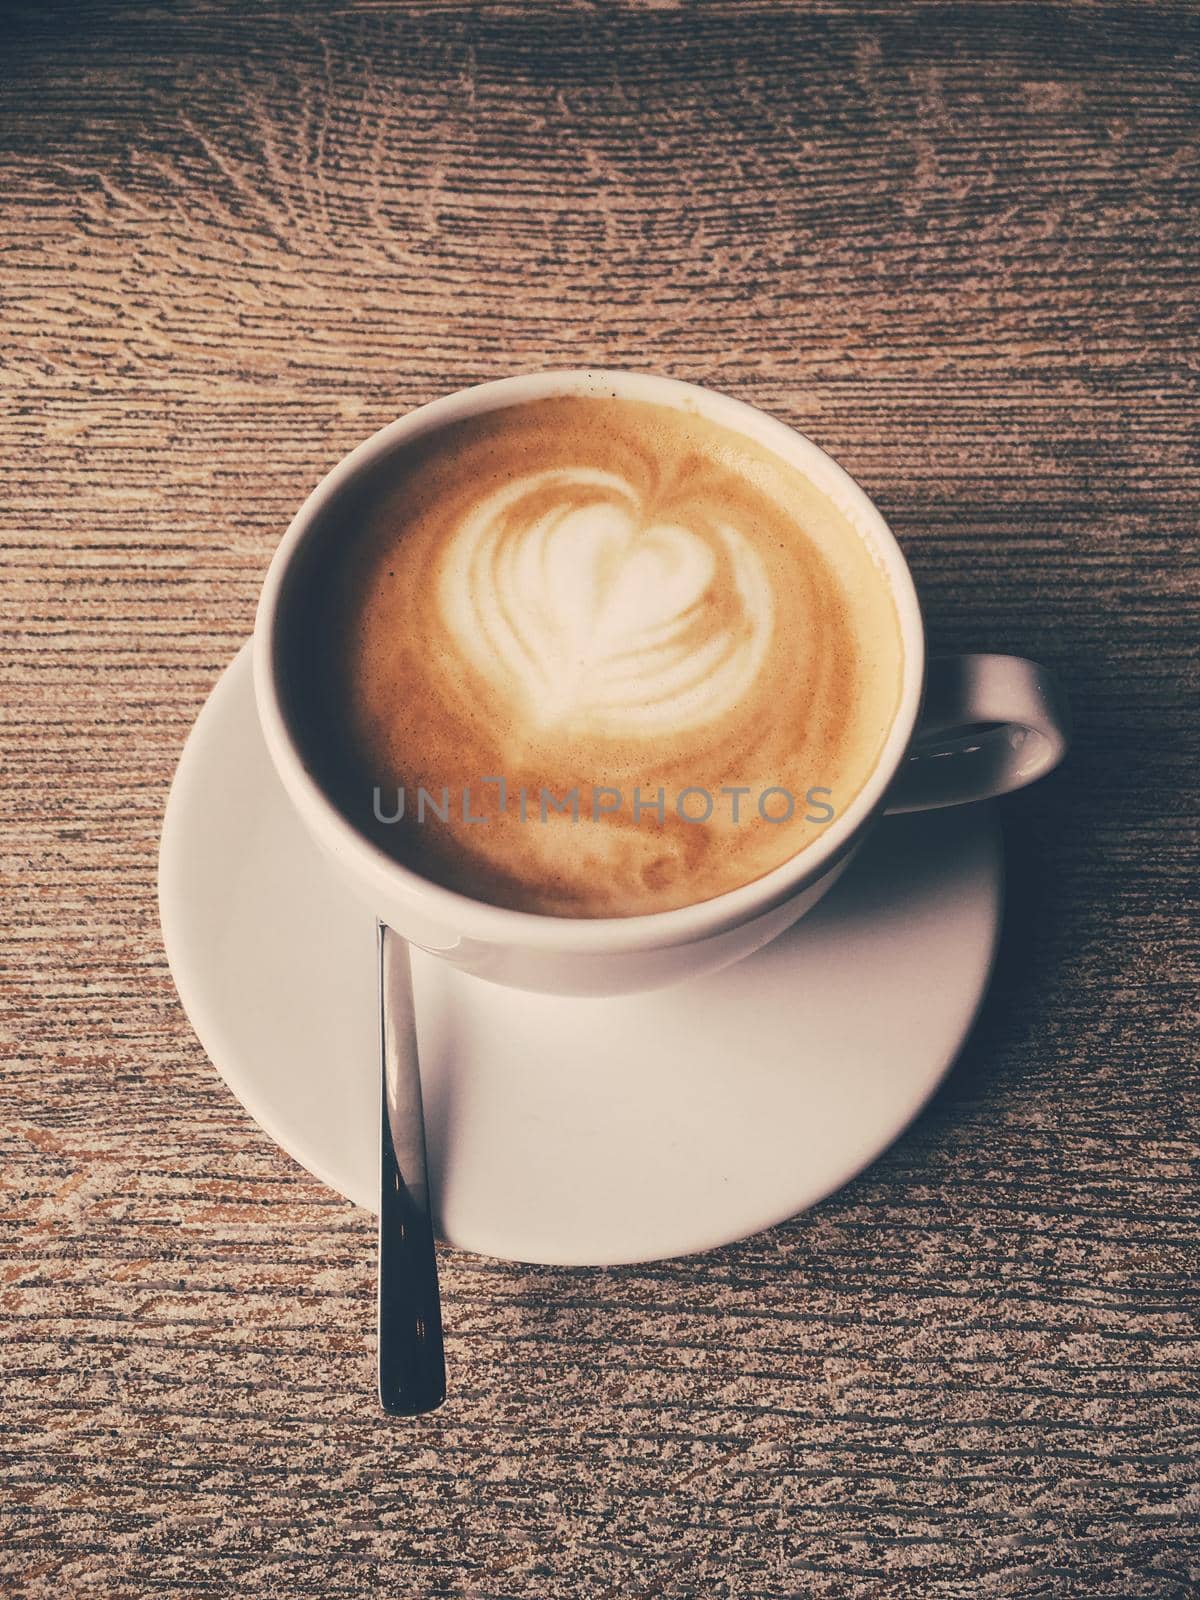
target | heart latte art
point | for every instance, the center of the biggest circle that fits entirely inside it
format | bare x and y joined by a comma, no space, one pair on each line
575,602
592,595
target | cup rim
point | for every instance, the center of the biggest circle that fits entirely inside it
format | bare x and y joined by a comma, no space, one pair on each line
394,884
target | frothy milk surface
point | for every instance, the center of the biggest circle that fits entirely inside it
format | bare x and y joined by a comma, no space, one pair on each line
596,600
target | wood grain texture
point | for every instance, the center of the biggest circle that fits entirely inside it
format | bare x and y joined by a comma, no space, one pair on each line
957,245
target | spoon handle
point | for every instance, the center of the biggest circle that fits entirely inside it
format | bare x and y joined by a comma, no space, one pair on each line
412,1365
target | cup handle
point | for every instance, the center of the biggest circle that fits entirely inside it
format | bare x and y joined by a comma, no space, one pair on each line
989,724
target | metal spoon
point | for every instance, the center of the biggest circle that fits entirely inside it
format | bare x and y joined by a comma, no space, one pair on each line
412,1363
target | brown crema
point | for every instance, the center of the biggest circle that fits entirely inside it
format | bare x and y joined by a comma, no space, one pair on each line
595,600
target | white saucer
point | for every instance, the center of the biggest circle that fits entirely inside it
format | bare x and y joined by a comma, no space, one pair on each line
573,1132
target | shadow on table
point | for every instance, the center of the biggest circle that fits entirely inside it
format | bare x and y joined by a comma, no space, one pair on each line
1023,979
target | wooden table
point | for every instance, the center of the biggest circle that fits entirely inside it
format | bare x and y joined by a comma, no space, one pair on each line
957,245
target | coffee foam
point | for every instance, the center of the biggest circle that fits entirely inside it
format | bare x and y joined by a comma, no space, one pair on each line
581,592
590,608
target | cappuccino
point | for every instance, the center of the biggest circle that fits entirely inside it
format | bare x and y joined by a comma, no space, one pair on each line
592,657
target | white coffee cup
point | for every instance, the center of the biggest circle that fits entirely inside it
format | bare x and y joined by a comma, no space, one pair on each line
968,728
